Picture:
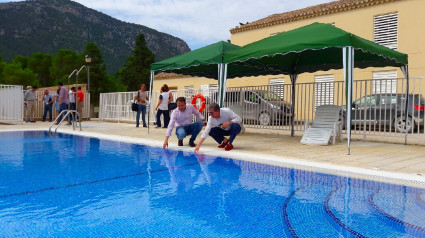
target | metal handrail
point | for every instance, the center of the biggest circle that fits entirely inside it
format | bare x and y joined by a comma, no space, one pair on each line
66,112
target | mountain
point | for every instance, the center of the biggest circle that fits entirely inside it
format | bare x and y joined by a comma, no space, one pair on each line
48,25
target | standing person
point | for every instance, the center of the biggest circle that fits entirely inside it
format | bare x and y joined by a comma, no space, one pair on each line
80,103
162,108
48,105
142,97
221,122
72,104
170,95
30,98
57,108
26,104
63,100
182,118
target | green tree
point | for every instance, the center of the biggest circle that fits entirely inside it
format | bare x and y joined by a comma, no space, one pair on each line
64,62
23,60
40,63
14,74
98,83
114,84
137,69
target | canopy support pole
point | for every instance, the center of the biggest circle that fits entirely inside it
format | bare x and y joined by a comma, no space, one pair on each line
293,81
150,96
222,80
405,70
348,62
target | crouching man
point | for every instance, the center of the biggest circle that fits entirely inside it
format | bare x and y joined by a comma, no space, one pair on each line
182,119
221,122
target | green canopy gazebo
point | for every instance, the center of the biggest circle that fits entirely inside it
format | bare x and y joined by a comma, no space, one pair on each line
204,62
308,49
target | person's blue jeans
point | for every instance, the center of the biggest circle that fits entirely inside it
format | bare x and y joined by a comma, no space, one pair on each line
141,109
72,106
63,106
192,129
49,108
166,117
218,134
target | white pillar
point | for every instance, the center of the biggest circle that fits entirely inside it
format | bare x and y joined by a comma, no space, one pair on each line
405,70
222,80
348,62
150,96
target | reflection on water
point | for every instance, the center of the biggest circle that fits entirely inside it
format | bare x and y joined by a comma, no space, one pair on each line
78,187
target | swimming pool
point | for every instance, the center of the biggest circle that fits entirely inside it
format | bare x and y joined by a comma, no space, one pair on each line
78,186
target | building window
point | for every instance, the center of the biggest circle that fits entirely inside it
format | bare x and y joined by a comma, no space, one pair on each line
385,30
209,90
189,91
324,90
276,86
384,82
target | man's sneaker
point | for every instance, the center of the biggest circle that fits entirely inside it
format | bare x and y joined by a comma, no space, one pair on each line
180,143
223,144
192,143
228,147
144,125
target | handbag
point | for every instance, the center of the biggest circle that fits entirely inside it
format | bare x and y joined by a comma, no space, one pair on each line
135,104
134,107
172,106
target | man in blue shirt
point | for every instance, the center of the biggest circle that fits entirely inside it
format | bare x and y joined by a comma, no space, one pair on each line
48,105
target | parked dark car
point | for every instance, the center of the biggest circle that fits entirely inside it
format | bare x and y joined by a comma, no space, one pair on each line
262,106
387,110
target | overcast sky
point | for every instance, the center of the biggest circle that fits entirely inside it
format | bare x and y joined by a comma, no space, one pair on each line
198,22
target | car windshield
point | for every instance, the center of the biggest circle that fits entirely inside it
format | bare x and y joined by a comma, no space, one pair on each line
420,98
270,96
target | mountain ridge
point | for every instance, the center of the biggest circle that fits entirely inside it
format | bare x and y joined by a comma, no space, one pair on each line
49,25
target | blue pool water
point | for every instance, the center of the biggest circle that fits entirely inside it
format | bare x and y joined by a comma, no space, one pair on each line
73,186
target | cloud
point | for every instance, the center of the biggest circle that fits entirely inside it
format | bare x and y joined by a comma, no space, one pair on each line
198,22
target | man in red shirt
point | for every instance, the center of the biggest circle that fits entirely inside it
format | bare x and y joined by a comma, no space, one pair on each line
80,102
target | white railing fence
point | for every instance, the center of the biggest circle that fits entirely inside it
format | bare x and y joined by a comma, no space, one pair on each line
39,105
11,103
377,108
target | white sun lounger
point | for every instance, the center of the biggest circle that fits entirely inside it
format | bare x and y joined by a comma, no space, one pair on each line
326,124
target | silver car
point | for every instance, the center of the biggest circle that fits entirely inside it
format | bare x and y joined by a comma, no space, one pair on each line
265,107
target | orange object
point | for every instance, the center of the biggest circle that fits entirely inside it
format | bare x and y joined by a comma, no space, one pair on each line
201,109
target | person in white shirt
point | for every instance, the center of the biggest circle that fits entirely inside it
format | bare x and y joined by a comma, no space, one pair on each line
221,122
72,103
162,108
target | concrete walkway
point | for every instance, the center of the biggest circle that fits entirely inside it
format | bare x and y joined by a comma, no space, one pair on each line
395,163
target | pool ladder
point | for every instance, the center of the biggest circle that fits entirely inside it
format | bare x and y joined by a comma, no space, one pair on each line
67,113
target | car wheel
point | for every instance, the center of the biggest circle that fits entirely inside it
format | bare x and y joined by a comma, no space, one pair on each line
400,124
264,119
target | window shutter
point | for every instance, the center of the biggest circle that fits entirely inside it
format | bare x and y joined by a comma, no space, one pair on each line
384,82
385,30
324,90
209,90
189,91
276,86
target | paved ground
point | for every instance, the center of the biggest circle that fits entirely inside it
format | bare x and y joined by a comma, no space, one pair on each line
372,160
